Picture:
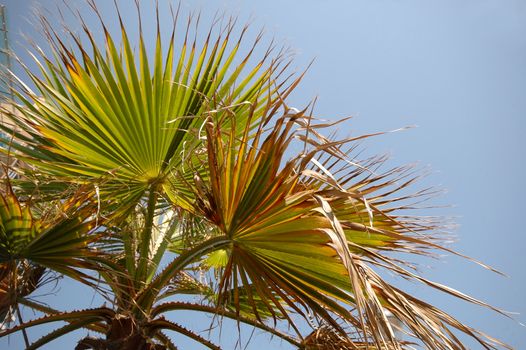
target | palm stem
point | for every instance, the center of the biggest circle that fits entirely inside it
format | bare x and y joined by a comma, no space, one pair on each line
142,269
24,333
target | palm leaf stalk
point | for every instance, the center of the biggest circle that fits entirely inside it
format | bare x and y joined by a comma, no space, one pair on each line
184,151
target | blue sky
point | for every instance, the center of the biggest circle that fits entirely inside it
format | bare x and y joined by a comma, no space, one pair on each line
457,70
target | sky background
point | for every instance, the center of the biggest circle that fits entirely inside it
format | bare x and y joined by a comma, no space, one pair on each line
456,70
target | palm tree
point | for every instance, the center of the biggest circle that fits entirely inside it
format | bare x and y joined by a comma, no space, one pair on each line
126,159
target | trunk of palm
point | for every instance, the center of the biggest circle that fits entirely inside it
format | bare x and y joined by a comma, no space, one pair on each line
124,334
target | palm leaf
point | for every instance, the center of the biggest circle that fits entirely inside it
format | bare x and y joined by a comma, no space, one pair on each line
301,234
55,242
29,245
116,116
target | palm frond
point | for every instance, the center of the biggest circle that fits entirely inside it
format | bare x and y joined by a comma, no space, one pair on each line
301,234
128,118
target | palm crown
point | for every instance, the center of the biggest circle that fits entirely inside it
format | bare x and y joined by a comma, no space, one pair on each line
186,151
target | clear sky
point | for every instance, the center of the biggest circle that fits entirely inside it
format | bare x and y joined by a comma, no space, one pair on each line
457,70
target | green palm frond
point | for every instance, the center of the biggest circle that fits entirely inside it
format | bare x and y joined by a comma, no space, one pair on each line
117,114
300,238
56,242
17,227
30,245
279,244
